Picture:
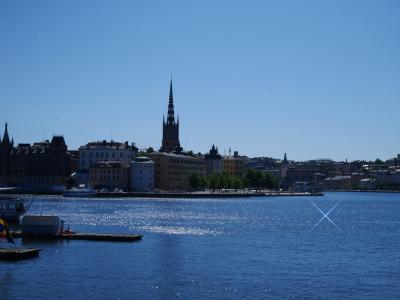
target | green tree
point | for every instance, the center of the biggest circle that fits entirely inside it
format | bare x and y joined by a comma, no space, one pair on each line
237,183
194,181
203,182
213,182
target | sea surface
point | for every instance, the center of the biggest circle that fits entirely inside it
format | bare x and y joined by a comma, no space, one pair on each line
250,248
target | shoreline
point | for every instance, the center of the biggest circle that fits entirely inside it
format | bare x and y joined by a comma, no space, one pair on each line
191,195
206,194
201,195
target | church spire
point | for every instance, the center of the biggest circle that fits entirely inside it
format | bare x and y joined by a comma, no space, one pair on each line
285,160
6,138
171,116
170,140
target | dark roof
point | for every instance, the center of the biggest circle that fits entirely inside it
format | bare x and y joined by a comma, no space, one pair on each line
112,144
213,154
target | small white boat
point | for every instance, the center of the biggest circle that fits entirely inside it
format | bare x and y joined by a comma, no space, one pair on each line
80,192
12,207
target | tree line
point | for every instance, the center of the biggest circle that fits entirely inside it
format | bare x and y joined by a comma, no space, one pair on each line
251,179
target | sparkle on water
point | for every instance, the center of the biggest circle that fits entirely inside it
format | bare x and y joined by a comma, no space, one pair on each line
217,248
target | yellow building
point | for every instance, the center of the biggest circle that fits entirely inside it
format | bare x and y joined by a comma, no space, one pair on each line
172,171
233,165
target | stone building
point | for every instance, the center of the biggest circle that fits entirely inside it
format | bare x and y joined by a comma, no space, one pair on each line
172,171
213,161
42,166
170,140
105,151
142,174
110,174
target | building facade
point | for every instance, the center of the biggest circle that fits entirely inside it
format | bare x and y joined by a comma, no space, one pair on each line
170,139
110,174
142,174
233,165
172,171
42,166
213,161
105,151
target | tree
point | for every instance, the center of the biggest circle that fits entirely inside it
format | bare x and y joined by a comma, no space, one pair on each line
203,182
213,182
194,181
256,179
150,150
237,183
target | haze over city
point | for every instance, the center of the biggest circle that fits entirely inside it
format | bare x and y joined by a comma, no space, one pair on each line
310,79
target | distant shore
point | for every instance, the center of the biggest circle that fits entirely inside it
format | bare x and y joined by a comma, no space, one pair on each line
202,194
208,194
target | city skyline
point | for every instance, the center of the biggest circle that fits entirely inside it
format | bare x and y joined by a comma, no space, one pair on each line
263,79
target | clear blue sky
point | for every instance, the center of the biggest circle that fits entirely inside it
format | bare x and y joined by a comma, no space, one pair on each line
315,79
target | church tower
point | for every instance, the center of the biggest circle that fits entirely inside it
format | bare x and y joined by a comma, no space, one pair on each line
6,148
170,140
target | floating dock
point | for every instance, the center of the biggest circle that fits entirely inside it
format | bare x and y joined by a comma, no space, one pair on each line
12,254
82,236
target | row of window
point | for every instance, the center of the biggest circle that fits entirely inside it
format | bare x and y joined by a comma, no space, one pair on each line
180,167
106,171
189,162
93,178
106,154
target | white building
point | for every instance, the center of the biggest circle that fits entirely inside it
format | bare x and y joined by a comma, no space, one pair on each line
105,151
142,174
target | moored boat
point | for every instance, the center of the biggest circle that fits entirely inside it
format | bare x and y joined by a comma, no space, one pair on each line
12,207
80,192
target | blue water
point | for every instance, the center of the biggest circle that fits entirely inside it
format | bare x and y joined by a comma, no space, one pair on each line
217,249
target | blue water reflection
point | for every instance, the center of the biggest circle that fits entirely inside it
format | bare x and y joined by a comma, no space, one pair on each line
216,248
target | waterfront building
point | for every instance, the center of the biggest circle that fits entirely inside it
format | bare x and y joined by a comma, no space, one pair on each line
233,165
105,151
170,139
284,166
213,161
142,174
172,171
42,166
110,174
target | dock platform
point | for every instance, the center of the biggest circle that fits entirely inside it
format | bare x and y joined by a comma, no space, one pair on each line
13,254
83,236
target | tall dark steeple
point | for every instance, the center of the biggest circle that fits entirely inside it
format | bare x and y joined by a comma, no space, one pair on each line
285,160
170,141
5,152
6,138
171,114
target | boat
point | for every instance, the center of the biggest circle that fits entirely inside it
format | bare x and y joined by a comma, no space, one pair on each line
12,207
80,192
